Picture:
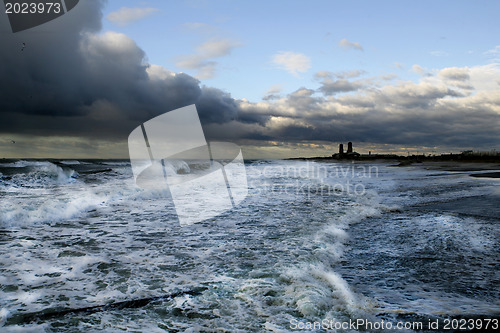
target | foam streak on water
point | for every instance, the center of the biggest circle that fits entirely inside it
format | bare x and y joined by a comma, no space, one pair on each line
306,245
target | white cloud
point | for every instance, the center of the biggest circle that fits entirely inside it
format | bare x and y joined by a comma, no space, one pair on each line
455,73
292,62
274,89
125,16
323,75
217,48
485,78
418,69
399,65
120,47
350,74
388,77
350,45
273,92
493,54
203,61
341,75
158,73
206,70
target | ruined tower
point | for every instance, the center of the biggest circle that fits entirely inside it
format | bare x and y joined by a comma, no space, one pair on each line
349,147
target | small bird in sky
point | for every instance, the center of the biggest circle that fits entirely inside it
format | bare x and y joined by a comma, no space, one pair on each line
24,45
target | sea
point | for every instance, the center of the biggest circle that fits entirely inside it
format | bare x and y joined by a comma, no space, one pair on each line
316,246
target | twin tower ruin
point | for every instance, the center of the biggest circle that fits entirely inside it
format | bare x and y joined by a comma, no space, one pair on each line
349,154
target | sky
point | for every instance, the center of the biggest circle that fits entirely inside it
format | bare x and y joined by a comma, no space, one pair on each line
279,78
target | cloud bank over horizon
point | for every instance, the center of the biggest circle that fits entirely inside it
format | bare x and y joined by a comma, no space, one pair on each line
75,81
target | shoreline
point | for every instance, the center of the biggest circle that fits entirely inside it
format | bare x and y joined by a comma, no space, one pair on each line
456,166
453,165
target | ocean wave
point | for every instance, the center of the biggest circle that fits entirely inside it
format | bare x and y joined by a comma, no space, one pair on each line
313,286
21,212
281,255
38,174
117,163
319,293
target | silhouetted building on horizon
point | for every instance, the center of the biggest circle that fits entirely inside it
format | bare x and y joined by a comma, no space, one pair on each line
349,154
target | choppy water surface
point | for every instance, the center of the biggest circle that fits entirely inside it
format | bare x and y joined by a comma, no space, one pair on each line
312,241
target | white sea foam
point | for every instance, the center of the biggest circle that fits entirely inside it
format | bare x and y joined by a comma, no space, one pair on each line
117,163
4,314
276,257
41,174
55,208
70,162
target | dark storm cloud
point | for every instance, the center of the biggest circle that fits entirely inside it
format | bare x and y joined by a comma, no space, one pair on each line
216,106
427,113
411,130
70,80
406,114
42,77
